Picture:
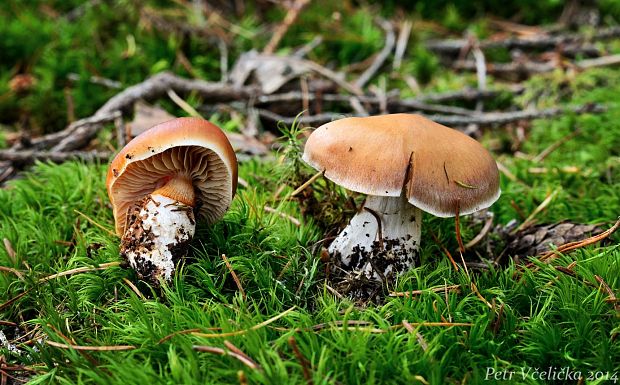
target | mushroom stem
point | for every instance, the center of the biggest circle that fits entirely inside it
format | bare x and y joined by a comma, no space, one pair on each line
159,230
380,250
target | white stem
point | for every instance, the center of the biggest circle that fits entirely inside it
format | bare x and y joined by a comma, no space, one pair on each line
362,249
157,237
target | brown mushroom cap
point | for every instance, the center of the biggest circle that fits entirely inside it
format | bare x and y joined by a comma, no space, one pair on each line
439,169
190,147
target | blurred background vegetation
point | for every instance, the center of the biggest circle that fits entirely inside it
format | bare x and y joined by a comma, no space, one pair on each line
51,50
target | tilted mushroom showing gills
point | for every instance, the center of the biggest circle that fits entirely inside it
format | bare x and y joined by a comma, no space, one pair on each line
404,163
163,181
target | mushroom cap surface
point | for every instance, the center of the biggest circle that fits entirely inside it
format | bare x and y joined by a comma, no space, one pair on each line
439,169
188,147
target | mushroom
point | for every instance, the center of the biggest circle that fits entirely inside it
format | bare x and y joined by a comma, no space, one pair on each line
160,183
405,164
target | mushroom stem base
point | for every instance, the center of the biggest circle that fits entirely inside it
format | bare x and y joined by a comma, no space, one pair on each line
158,234
381,241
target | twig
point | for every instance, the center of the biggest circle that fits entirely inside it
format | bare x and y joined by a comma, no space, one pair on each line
110,348
14,299
517,67
470,94
474,288
445,250
603,61
329,74
244,359
234,276
504,170
457,226
23,157
306,184
181,332
9,250
82,131
538,209
17,273
366,326
393,102
457,229
134,288
121,132
604,286
579,244
289,19
481,75
441,289
292,219
109,83
244,331
554,146
401,44
185,106
101,266
483,232
530,67
6,375
483,119
356,105
418,335
334,291
498,321
303,361
6,170
390,40
89,219
221,45
47,141
81,134
307,48
500,118
453,47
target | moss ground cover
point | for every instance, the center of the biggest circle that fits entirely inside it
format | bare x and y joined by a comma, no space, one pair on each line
285,320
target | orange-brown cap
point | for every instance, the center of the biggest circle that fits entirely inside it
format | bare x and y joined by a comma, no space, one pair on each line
186,147
439,169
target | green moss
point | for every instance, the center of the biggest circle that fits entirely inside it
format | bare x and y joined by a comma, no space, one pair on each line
57,218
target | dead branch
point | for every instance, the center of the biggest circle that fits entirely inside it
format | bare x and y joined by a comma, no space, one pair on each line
291,15
392,100
520,68
527,68
466,94
603,61
483,119
53,139
390,40
308,47
23,157
470,94
401,44
91,348
82,131
454,46
499,118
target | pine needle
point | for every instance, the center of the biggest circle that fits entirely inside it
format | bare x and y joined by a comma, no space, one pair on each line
244,331
111,348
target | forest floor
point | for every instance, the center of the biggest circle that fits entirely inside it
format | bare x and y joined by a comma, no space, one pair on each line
251,303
